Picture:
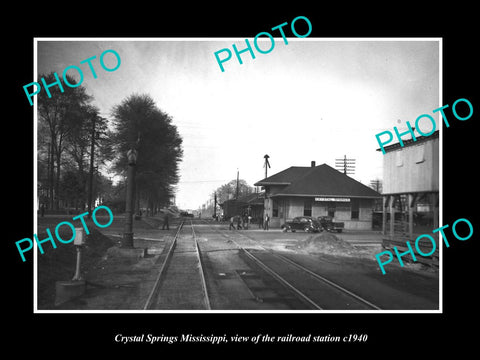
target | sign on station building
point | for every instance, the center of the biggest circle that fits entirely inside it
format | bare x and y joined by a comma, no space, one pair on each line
318,191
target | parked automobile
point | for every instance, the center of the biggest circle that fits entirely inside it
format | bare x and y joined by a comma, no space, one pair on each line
328,224
186,214
305,223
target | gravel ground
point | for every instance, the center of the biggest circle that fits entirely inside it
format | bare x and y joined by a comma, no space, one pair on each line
59,264
117,283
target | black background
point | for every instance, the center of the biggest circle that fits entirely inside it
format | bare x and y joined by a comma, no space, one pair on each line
402,334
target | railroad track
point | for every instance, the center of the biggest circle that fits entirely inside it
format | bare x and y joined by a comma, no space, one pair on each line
313,289
180,283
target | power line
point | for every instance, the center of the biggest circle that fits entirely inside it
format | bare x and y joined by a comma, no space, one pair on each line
200,181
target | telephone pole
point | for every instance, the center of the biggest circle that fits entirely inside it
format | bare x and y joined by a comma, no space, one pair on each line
266,165
215,204
347,165
90,177
376,185
236,192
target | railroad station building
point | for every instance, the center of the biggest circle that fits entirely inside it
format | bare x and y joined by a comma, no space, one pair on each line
411,190
248,205
318,191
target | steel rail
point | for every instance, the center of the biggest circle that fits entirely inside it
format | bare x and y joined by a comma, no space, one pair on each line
321,278
202,271
301,267
163,268
274,274
279,278
315,275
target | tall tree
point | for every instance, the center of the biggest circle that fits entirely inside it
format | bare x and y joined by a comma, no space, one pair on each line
140,124
229,190
89,144
59,115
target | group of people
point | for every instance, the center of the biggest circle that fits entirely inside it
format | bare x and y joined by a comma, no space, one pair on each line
236,222
242,220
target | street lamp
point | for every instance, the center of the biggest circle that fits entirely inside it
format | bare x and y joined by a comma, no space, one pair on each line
132,157
127,241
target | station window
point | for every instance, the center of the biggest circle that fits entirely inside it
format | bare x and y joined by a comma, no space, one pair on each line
420,154
399,159
275,208
355,208
307,208
331,209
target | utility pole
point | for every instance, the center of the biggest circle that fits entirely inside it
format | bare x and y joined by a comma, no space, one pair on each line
347,165
51,173
376,185
215,204
236,192
266,164
127,241
90,179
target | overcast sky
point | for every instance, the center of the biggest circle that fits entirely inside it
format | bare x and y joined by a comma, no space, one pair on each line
313,99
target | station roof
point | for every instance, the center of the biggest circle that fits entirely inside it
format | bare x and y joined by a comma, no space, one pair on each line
251,199
321,180
410,142
284,177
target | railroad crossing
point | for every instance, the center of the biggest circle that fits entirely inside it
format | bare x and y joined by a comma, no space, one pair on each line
201,265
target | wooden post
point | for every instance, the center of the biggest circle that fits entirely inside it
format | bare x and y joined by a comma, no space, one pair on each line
384,215
435,203
410,204
392,217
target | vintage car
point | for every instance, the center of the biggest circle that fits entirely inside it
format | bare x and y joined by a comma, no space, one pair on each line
329,225
305,223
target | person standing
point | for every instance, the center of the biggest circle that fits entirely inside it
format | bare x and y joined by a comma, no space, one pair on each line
239,222
165,221
266,222
232,219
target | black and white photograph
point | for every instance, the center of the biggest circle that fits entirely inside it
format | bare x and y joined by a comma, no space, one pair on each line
282,209
254,182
